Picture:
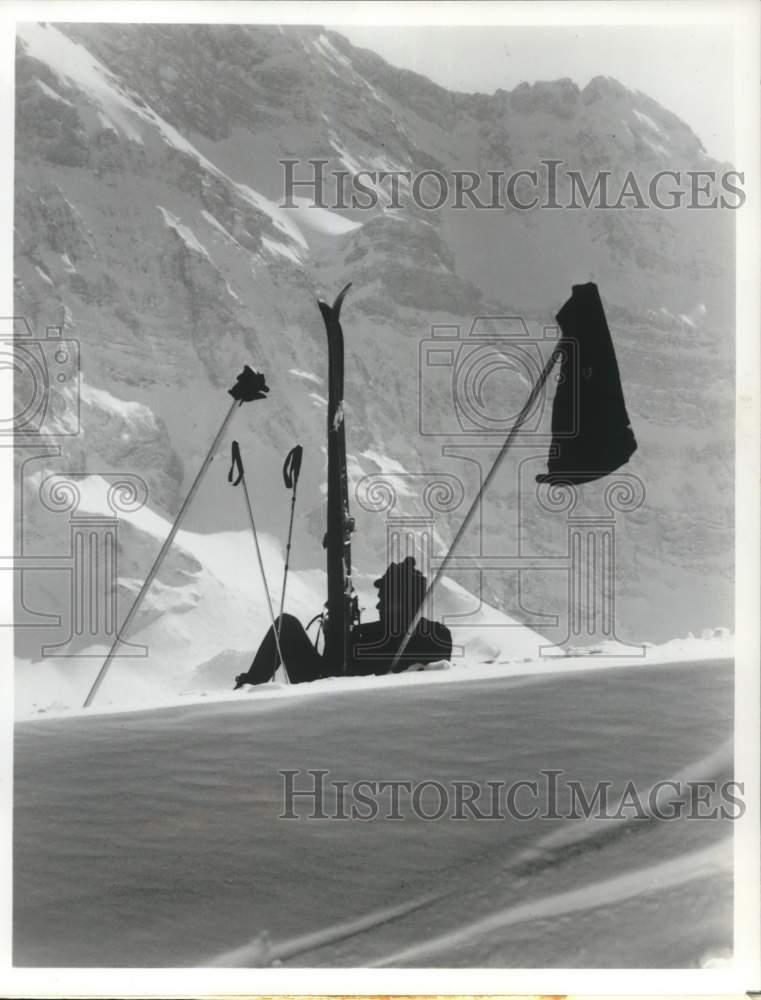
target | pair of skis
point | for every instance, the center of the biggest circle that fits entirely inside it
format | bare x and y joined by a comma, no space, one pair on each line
341,608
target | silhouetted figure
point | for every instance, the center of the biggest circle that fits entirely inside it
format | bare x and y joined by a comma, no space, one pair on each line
373,644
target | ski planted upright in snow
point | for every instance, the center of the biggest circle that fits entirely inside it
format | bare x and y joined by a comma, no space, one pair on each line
341,609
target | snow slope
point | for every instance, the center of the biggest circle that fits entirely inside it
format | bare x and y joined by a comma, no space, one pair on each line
167,851
71,61
201,631
202,621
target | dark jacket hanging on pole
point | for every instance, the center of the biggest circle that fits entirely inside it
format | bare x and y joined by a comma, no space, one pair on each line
592,436
591,432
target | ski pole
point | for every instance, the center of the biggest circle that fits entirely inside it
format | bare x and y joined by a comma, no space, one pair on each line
250,385
291,471
237,463
159,558
520,419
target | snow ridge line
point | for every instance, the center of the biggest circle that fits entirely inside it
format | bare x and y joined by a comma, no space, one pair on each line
548,848
655,878
260,952
551,849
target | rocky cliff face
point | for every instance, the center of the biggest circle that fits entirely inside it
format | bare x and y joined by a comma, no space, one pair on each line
148,225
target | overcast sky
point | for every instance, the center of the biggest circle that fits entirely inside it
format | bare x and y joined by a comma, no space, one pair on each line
688,70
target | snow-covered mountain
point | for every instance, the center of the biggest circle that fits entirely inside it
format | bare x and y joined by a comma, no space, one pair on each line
148,224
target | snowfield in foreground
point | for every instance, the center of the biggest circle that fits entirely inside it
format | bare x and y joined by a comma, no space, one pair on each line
47,690
153,839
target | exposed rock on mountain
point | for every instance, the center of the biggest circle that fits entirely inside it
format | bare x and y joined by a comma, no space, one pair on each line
149,226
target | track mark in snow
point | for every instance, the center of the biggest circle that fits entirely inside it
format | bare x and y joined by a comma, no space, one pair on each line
259,951
563,845
656,878
570,838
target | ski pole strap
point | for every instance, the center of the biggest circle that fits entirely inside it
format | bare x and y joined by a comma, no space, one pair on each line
236,465
292,467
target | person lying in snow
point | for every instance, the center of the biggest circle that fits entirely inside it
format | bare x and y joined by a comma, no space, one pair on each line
373,644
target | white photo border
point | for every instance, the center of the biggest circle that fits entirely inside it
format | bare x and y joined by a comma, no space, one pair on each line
743,973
